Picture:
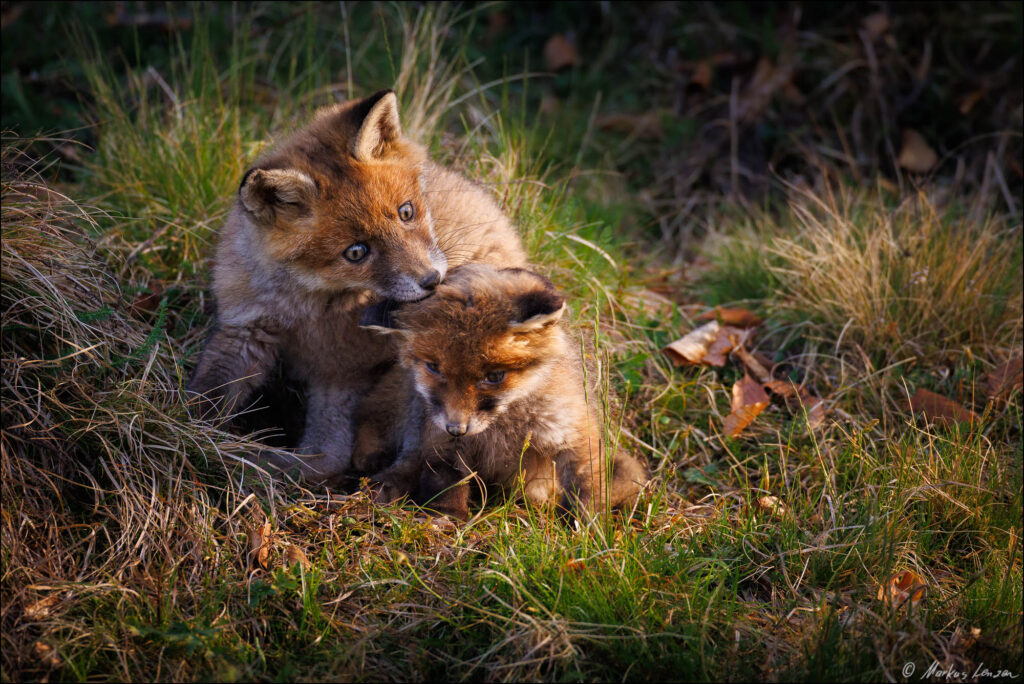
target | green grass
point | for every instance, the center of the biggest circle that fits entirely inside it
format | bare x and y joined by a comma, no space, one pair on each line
135,523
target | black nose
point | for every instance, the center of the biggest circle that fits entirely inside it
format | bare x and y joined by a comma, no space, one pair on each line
455,430
430,281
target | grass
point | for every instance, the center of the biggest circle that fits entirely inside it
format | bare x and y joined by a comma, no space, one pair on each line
128,528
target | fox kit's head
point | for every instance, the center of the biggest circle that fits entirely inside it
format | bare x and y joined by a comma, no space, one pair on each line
340,204
478,344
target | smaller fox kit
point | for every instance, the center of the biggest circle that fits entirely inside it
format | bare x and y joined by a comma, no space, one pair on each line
485,363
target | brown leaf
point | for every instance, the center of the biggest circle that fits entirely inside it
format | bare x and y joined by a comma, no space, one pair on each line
728,338
693,346
773,505
41,608
259,544
559,53
815,408
576,564
708,345
46,654
916,155
701,77
875,25
741,318
148,302
966,103
1004,379
748,400
782,388
295,555
900,588
938,408
646,126
754,365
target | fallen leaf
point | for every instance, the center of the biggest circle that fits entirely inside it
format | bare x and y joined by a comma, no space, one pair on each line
741,318
295,555
782,388
706,345
41,608
875,25
559,53
693,346
815,409
748,400
646,126
728,339
916,155
701,77
966,103
754,365
773,505
259,544
938,408
1004,379
907,585
575,564
46,654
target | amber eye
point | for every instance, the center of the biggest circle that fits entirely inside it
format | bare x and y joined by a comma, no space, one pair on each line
356,253
432,367
407,212
494,377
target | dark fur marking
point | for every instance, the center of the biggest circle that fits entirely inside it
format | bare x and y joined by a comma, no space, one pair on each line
487,404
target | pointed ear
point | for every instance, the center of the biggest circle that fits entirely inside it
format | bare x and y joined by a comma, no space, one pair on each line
380,129
378,317
267,192
537,310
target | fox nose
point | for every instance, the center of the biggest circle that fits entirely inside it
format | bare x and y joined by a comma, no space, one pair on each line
430,281
456,429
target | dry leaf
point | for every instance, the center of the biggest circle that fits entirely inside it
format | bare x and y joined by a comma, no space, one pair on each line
815,408
728,338
938,408
916,155
559,53
741,318
1004,379
901,587
875,25
754,365
646,126
773,505
46,654
295,555
259,544
575,564
41,608
748,400
782,388
966,103
693,346
701,78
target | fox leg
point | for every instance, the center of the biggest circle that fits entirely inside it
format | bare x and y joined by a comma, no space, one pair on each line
441,489
234,362
329,436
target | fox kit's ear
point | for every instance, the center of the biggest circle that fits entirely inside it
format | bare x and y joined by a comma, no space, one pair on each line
380,129
537,309
377,317
265,192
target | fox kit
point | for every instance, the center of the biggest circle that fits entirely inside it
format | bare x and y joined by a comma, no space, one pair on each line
337,215
490,384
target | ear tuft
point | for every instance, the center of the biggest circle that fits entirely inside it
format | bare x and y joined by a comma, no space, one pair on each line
380,129
266,192
537,309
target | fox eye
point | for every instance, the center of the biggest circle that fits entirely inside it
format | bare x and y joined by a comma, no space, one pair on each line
407,212
494,377
432,367
356,253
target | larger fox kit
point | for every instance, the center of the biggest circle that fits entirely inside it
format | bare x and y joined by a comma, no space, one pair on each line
339,214
489,384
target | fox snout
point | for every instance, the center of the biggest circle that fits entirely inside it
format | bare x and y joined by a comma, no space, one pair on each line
413,285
